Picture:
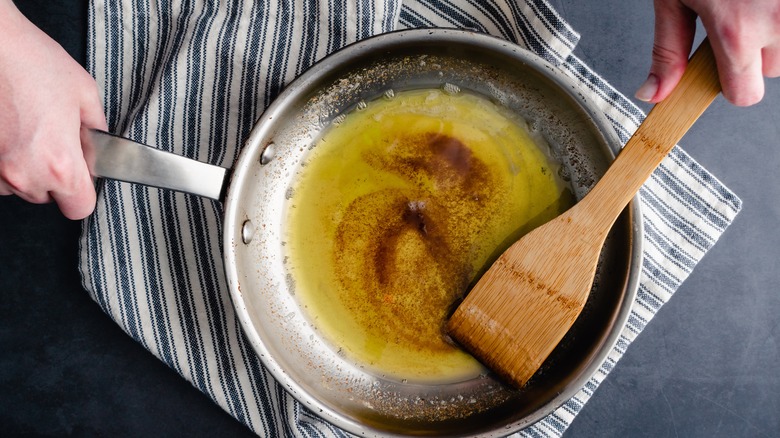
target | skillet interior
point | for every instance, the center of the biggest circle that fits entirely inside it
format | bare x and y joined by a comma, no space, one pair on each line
263,291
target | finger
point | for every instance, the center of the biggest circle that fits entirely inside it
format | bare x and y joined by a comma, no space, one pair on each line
770,62
75,192
737,45
16,180
92,114
743,85
5,188
62,170
674,31
36,197
32,196
63,178
740,71
76,199
78,202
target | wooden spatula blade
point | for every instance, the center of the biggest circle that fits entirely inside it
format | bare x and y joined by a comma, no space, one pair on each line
513,332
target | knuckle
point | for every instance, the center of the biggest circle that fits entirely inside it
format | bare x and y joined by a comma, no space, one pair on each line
730,31
668,60
737,37
665,55
59,171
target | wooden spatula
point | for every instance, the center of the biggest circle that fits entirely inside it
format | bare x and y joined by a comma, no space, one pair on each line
529,298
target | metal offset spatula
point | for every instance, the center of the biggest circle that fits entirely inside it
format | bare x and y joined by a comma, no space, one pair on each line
529,298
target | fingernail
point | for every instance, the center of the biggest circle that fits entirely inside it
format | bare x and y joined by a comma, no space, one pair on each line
648,90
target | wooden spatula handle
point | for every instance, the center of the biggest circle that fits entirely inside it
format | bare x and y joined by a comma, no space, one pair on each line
664,126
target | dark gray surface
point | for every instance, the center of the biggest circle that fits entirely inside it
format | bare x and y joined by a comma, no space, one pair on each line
706,366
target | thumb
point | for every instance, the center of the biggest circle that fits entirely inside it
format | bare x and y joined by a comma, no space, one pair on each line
675,26
92,115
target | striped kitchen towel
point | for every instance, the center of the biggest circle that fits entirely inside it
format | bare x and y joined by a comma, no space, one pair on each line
192,77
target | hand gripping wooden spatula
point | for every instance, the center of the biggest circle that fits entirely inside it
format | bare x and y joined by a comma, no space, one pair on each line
529,298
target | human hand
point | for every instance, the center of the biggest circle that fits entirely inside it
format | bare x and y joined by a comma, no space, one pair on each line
45,97
745,37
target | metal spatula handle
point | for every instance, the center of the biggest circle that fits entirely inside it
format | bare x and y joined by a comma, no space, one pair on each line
122,159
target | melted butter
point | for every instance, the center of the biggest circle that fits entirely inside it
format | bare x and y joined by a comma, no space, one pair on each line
399,208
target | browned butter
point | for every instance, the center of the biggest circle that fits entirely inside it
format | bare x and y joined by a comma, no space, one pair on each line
399,207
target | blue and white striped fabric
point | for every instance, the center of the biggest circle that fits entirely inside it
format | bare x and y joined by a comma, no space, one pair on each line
192,76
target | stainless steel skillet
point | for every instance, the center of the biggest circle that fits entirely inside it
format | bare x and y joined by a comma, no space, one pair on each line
256,193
